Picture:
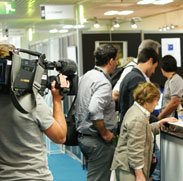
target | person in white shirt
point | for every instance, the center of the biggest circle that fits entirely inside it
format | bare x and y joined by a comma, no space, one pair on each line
144,44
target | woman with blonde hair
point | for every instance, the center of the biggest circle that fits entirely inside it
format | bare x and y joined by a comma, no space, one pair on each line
133,154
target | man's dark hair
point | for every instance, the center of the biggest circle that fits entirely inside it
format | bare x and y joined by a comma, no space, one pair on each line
104,53
146,54
168,63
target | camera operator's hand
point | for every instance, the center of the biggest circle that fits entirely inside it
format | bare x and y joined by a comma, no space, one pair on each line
63,82
57,132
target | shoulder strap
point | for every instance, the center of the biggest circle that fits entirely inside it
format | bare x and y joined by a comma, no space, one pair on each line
72,106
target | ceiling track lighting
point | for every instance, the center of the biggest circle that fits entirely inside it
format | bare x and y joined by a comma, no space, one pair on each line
167,28
155,2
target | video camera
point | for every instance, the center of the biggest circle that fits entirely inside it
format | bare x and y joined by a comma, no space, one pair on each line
21,76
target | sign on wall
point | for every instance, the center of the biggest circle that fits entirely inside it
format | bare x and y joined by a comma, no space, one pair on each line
171,46
7,7
51,12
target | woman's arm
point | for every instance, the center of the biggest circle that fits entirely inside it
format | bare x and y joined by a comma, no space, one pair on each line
139,175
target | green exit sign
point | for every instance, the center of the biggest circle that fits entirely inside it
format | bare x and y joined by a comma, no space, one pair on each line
7,7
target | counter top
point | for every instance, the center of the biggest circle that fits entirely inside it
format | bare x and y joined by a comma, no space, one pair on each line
175,129
178,123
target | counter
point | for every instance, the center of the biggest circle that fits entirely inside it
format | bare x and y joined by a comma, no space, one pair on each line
171,146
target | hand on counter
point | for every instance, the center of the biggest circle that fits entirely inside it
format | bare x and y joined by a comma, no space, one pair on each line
163,122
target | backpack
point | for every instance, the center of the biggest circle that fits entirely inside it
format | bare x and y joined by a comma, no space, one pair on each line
72,134
116,75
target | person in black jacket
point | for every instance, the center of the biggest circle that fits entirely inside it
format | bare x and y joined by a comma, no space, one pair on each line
147,62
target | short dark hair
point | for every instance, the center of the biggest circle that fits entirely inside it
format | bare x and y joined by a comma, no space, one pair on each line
146,54
168,63
104,53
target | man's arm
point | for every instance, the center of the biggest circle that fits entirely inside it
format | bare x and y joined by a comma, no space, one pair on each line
173,104
107,135
57,131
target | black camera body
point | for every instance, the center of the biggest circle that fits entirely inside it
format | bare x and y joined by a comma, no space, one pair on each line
21,76
5,71
66,67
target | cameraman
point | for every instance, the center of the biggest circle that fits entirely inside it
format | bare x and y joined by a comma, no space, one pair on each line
23,153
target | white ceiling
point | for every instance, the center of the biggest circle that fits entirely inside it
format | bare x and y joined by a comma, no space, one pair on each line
28,12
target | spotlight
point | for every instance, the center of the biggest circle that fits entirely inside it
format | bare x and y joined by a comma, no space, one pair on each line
164,28
133,24
96,24
168,28
115,23
172,26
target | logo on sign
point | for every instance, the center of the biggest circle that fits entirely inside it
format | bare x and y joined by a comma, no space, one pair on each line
170,47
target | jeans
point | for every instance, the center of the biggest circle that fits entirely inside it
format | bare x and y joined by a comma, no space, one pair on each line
157,174
99,155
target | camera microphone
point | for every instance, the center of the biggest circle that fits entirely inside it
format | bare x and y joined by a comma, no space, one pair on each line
66,67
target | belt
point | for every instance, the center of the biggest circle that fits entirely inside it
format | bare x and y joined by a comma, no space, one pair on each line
93,135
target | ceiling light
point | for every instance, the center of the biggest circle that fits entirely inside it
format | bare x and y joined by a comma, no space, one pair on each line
162,2
127,12
146,2
68,26
115,23
108,13
96,24
172,26
63,31
53,31
79,26
133,24
168,28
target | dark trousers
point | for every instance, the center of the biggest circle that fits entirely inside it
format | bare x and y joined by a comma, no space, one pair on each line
99,155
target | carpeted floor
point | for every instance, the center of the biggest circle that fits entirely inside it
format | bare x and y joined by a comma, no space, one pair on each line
65,168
